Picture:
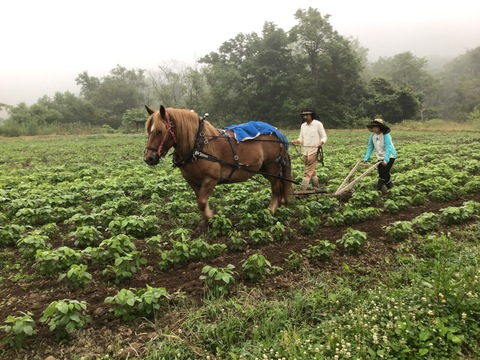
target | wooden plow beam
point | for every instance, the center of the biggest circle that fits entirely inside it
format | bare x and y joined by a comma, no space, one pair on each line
347,185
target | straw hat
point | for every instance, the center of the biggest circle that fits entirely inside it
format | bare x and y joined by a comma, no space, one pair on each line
378,122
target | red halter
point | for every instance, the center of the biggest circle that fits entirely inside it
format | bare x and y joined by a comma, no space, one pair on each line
164,139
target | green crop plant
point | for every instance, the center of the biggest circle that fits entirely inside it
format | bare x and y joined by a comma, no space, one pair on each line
125,266
52,262
256,267
218,282
235,241
10,234
77,275
322,251
18,329
260,237
353,241
201,250
425,223
86,235
310,224
219,225
150,300
65,317
124,304
399,230
134,225
29,245
113,247
456,215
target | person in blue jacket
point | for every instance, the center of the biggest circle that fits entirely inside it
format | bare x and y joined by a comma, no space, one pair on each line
381,141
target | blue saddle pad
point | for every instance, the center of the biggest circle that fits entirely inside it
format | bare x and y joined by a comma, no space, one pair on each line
252,129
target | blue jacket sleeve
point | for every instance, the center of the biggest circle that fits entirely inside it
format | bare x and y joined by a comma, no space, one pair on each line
389,148
369,149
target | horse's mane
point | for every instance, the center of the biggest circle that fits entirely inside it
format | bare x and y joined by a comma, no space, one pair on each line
186,124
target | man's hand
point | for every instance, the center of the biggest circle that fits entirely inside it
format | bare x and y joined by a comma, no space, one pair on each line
295,142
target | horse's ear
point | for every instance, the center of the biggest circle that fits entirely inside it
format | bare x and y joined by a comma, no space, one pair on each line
162,112
150,111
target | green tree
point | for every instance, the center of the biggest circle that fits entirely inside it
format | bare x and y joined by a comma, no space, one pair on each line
71,109
112,95
329,78
390,102
229,76
410,73
134,119
460,93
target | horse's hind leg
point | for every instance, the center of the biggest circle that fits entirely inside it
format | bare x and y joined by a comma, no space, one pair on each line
276,196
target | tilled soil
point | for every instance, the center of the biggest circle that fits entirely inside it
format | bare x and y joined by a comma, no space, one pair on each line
107,334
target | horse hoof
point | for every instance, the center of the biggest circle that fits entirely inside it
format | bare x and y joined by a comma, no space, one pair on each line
201,227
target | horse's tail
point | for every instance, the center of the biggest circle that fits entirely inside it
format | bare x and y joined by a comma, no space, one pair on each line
287,190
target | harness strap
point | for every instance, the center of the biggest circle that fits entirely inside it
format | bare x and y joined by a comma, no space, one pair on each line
235,157
199,142
205,156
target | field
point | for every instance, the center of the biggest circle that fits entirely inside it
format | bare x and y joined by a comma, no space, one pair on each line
100,257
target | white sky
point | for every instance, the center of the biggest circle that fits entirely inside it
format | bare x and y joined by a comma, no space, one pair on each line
45,44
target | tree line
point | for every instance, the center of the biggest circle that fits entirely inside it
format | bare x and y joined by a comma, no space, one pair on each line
270,77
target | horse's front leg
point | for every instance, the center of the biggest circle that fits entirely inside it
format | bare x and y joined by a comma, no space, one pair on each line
203,192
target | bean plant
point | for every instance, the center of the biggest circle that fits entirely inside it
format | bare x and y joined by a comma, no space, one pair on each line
77,276
256,267
218,282
65,317
18,329
353,241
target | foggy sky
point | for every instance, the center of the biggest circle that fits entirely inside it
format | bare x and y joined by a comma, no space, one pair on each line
46,44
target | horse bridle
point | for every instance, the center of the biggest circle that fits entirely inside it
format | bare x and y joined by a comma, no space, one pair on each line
160,151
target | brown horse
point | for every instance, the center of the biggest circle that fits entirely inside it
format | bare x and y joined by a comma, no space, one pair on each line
207,156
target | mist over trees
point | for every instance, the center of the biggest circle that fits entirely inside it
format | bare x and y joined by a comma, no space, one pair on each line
270,77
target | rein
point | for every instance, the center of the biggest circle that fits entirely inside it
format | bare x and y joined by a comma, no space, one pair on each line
320,154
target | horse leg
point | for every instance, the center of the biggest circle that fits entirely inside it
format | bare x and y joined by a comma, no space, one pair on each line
203,194
276,196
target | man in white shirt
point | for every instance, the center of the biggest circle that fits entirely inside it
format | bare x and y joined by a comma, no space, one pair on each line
312,137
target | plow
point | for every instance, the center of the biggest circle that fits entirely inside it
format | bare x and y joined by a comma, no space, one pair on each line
346,187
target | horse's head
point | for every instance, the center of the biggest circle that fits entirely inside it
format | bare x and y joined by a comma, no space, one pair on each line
161,137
